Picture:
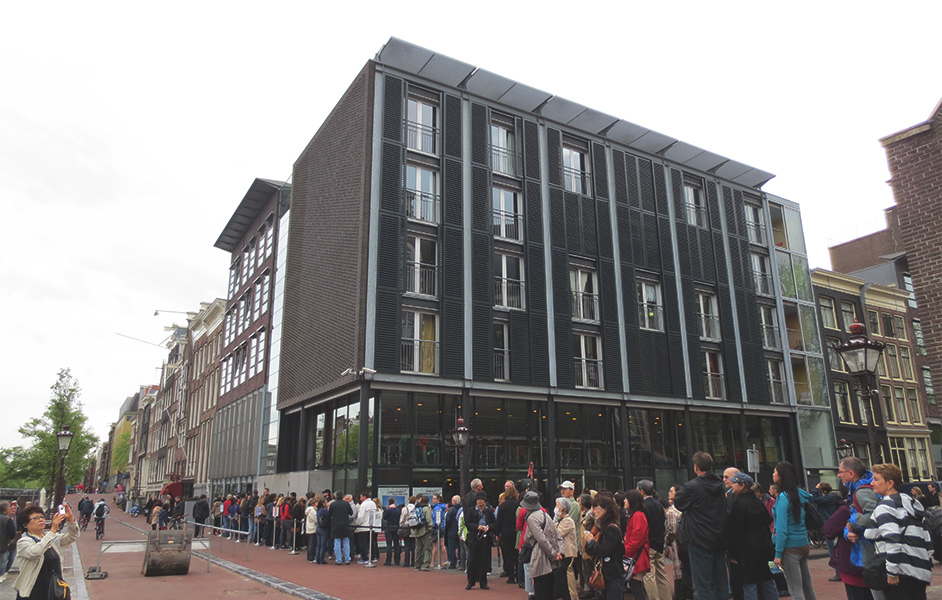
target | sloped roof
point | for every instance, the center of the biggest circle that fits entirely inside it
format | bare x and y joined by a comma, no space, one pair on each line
252,204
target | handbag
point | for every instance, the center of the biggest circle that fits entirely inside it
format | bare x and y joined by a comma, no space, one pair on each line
58,589
596,579
631,563
875,577
526,552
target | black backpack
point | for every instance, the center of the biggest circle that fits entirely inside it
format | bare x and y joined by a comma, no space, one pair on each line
100,511
813,520
323,521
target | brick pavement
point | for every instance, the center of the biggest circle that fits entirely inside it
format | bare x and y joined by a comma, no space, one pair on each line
280,576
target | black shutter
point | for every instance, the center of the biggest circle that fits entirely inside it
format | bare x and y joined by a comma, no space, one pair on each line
554,149
519,331
534,212
453,187
452,338
606,237
557,219
647,185
392,109
481,219
621,184
660,189
479,126
612,358
590,243
531,149
600,169
452,127
573,230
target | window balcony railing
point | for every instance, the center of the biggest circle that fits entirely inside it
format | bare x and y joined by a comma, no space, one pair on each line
508,292
795,340
419,356
501,365
777,389
803,393
709,327
714,386
588,373
771,337
576,180
585,306
651,316
421,137
696,215
421,279
508,225
504,161
422,206
763,283
756,233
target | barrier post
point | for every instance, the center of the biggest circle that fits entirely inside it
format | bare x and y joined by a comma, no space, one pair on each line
294,537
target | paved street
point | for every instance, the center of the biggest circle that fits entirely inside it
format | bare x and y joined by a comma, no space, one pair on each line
279,575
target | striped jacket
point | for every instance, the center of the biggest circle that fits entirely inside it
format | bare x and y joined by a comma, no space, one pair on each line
901,537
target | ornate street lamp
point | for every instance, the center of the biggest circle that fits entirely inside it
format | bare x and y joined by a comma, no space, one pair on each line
64,438
461,435
844,449
862,355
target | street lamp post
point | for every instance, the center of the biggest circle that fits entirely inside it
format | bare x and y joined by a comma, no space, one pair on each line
844,449
460,435
862,355
64,438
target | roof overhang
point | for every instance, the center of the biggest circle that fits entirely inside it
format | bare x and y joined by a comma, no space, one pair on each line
409,58
253,203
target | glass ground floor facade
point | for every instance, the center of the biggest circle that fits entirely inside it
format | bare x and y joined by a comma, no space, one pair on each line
598,445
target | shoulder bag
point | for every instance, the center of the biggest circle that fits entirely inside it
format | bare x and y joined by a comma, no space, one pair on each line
596,579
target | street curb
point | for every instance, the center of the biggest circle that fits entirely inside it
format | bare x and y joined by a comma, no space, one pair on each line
282,585
78,573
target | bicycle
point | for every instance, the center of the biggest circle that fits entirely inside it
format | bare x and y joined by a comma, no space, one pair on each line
84,522
817,539
175,523
99,528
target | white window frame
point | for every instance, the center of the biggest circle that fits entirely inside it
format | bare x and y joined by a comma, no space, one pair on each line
826,304
775,373
714,380
915,410
424,352
845,409
708,316
422,204
771,334
576,170
650,315
584,285
507,220
502,353
755,224
852,318
762,274
421,277
583,345
503,148
695,206
422,128
509,293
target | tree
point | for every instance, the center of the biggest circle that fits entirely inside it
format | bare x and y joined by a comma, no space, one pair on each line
121,452
38,462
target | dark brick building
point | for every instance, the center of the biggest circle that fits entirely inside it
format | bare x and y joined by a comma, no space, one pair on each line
591,296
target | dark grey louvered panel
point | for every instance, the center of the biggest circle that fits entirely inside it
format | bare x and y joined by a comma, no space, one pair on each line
534,212
612,359
634,359
660,189
646,177
696,367
669,296
647,252
739,211
388,325
654,363
452,185
590,245
481,219
677,187
621,184
678,379
482,342
683,248
719,256
631,173
519,331
757,382
623,225
480,150
730,210
561,295
452,264
391,183
392,109
531,149
482,267
557,218
666,255
629,292
452,340
564,356
539,349
713,205
573,220
536,278
724,300
452,126
690,306
390,248
731,368
606,244
600,169
554,148
707,256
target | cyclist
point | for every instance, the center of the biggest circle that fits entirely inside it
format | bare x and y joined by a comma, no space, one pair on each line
101,513
86,506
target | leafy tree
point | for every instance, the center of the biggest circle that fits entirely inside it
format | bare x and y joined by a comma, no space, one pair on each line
38,462
120,453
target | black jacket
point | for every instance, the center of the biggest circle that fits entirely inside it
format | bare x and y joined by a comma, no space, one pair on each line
339,515
200,510
703,502
611,549
391,518
507,517
654,511
451,522
750,543
473,518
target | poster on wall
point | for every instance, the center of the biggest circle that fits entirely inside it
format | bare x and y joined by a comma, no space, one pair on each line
400,493
428,492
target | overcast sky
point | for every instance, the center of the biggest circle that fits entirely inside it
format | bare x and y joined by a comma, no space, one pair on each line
130,131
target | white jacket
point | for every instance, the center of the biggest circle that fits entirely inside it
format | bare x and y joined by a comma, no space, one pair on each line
368,517
30,552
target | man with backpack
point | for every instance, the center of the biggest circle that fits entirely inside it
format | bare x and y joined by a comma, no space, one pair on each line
420,523
859,483
438,535
101,513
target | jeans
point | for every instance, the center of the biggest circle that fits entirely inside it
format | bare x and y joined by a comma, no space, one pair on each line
11,556
708,574
797,573
614,588
393,547
322,539
452,546
285,533
252,530
342,544
763,590
198,527
409,545
528,582
3,563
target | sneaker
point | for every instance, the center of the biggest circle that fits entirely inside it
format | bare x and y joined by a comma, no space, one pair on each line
835,578
362,562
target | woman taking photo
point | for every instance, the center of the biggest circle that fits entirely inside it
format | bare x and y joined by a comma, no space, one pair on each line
791,536
750,546
547,546
637,542
38,553
607,546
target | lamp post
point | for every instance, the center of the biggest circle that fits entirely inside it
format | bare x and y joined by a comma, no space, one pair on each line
844,449
862,355
460,435
64,438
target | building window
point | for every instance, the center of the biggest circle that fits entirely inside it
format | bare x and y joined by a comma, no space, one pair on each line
269,235
587,355
889,410
849,314
900,327
650,306
917,336
874,320
755,224
915,412
508,216
585,298
927,383
422,126
827,312
260,355
501,352
889,329
266,284
889,355
695,205
906,362
503,153
576,169
707,316
771,336
901,412
908,286
508,281
422,200
837,363
253,343
421,266
924,457
762,274
863,407
777,216
776,374
252,251
714,386
845,412
419,342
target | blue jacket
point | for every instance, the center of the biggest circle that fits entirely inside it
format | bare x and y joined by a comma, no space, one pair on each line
788,533
438,515
862,553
